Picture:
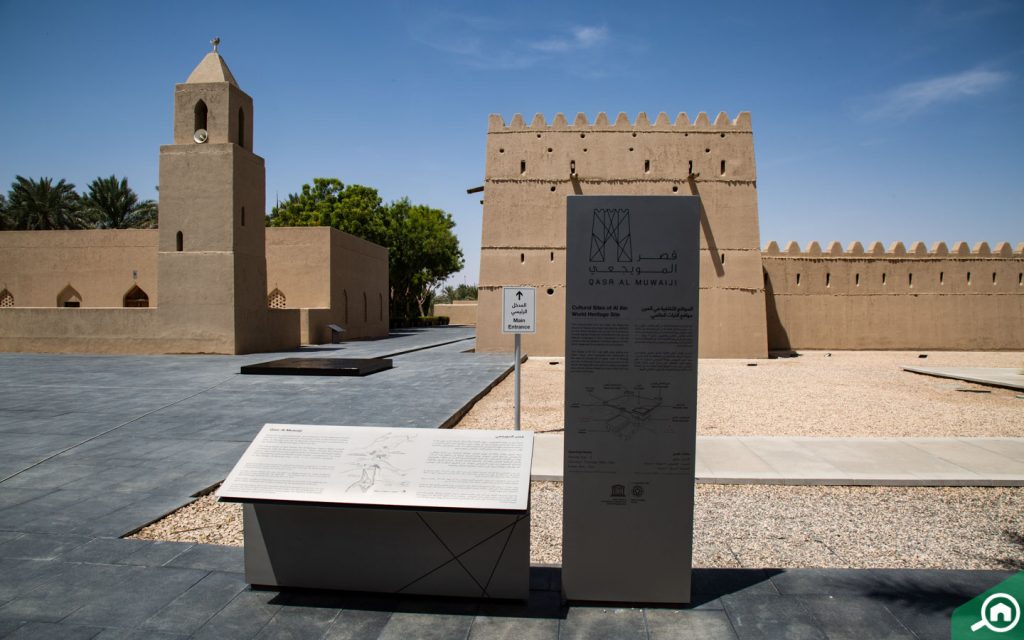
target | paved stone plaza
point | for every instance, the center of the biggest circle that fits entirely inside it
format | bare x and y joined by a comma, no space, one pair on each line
94,447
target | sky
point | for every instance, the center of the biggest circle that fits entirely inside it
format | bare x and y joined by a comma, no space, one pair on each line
872,120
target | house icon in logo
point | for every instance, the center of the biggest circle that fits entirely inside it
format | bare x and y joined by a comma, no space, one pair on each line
1001,612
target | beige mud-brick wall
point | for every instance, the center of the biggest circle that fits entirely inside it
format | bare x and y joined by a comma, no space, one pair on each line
959,299
359,287
102,266
530,171
326,272
461,312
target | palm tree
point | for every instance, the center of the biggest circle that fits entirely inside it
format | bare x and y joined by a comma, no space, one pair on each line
40,204
114,205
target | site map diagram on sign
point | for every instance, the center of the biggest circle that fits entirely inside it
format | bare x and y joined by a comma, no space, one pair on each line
374,466
625,413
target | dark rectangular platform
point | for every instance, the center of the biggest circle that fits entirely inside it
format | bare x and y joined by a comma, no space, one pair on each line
319,367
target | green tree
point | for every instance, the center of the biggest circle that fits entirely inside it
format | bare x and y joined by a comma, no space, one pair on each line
422,248
4,222
40,204
465,292
112,204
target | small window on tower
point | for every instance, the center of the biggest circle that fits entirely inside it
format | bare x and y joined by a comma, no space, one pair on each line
241,127
200,116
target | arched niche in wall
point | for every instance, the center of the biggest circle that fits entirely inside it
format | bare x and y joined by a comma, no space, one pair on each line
69,297
277,300
136,298
6,298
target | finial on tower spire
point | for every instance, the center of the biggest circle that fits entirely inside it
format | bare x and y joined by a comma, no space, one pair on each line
215,42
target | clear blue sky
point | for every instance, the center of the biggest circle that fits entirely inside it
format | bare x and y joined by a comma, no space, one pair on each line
872,120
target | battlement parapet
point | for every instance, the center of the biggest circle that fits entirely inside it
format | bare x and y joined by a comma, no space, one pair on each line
683,124
894,250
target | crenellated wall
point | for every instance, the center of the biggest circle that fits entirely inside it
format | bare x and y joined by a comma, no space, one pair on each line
958,298
532,168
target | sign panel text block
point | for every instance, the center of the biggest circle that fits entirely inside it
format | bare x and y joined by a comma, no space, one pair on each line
632,278
437,468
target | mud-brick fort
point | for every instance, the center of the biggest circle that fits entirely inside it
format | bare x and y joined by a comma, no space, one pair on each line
751,300
212,278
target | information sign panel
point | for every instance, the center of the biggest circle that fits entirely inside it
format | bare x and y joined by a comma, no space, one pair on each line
519,310
632,281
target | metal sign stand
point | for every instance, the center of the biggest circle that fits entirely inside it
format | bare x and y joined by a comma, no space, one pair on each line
519,311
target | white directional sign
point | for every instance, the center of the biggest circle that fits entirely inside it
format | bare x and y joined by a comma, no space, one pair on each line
519,311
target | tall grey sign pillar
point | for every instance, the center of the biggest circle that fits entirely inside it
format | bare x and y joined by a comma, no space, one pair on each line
632,276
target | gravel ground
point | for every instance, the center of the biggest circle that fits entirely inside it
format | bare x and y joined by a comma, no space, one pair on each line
842,394
839,394
766,526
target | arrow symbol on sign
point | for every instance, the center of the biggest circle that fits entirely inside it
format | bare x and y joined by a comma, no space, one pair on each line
519,295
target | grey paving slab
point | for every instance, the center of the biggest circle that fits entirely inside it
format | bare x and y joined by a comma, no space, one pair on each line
855,618
194,608
210,557
51,630
862,461
669,624
129,603
1008,377
70,589
35,546
426,626
19,576
603,623
489,627
298,622
157,553
767,617
105,551
357,624
243,617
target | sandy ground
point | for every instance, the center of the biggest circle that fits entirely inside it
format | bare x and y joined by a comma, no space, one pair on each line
842,394
836,394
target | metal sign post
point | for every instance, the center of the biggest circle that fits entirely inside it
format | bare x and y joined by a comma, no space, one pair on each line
519,313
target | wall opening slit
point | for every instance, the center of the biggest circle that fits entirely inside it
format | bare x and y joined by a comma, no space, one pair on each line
647,166
910,280
522,167
993,277
828,280
856,280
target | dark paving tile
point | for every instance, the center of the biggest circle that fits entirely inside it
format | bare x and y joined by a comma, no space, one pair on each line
137,634
826,581
39,546
211,557
491,628
13,496
104,551
243,617
18,577
86,507
144,509
50,475
425,626
7,536
50,631
157,553
129,603
9,626
298,622
663,624
355,624
75,586
854,618
540,604
192,609
603,623
762,617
